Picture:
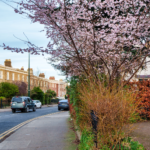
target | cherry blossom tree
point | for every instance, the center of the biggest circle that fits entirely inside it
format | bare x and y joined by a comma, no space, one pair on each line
22,87
103,36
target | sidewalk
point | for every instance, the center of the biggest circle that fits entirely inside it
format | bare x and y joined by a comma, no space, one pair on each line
5,109
142,133
46,133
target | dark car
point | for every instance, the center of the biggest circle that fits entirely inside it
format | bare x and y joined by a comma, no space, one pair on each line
22,103
63,104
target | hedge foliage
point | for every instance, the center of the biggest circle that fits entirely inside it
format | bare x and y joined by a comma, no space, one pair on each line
114,109
143,97
45,98
8,90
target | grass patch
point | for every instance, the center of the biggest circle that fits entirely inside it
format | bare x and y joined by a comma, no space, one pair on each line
87,140
71,141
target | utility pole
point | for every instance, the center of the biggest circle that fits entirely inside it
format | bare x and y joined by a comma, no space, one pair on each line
29,74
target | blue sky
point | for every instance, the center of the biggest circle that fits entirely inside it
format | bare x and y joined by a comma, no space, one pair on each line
14,24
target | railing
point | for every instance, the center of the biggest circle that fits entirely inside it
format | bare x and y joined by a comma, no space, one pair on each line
4,103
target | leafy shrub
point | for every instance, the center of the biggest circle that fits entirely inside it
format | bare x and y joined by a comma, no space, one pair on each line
8,90
2,98
112,107
55,101
129,144
87,140
49,95
134,117
74,100
115,107
37,93
143,97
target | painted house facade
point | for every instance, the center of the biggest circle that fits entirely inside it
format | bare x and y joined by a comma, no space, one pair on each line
10,74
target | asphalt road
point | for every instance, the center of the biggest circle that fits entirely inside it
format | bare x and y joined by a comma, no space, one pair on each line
8,119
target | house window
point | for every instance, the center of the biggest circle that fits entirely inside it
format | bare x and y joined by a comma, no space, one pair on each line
7,75
13,76
22,77
1,74
18,76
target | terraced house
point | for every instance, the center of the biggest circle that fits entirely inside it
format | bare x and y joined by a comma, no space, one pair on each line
10,74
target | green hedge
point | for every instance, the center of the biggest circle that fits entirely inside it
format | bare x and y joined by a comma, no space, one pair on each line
3,98
55,101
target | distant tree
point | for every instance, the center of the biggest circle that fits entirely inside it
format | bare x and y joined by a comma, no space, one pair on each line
8,90
22,86
37,93
49,95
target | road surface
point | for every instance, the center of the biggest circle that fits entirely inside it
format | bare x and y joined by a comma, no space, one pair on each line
8,119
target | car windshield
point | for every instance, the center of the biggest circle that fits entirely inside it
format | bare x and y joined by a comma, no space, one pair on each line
34,101
17,99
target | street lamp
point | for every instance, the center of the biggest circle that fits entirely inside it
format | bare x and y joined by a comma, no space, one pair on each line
29,74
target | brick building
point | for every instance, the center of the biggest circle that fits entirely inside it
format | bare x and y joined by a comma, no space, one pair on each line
9,74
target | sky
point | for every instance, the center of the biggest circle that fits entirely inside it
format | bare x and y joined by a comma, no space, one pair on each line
13,25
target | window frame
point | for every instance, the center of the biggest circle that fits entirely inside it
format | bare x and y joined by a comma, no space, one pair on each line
7,75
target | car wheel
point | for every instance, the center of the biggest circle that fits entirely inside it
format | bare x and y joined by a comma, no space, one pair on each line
58,108
41,107
34,109
27,109
13,110
22,110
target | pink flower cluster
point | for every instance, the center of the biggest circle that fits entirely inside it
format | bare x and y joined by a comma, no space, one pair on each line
104,35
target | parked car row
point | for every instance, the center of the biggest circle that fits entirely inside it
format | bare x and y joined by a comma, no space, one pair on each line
24,104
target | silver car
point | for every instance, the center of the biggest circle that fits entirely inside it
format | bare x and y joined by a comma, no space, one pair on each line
37,103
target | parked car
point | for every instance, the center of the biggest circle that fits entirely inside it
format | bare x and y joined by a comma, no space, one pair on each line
63,104
37,103
22,103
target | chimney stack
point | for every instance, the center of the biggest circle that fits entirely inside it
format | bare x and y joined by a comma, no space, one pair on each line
7,62
22,68
42,75
52,78
31,70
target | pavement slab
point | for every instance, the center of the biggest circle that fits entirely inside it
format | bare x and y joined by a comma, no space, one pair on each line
46,133
142,133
